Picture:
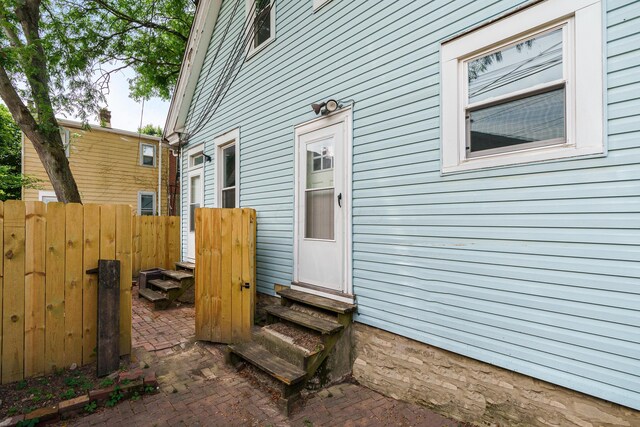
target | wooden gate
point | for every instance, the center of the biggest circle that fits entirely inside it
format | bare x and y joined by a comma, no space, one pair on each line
225,274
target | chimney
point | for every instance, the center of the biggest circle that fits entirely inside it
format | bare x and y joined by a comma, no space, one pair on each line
104,116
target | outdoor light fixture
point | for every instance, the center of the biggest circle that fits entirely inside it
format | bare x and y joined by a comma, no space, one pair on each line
326,107
207,158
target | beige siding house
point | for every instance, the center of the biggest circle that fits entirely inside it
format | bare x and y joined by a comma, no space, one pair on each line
109,165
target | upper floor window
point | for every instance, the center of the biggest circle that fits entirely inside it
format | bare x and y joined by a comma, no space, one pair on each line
196,160
525,88
147,154
264,23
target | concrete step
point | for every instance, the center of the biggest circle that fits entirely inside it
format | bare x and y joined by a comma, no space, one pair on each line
324,326
152,296
260,357
327,304
165,285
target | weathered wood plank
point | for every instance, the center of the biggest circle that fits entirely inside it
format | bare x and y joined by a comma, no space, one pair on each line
161,242
135,241
74,218
123,254
13,292
108,317
203,259
91,254
237,310
173,247
273,365
226,309
54,295
215,274
34,288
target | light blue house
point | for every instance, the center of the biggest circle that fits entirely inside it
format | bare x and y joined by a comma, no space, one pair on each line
470,175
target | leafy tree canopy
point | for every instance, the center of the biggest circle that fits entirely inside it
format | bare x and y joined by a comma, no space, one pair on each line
150,130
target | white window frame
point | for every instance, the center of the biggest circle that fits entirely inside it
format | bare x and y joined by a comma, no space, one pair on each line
47,194
221,142
317,4
142,145
146,193
584,113
272,17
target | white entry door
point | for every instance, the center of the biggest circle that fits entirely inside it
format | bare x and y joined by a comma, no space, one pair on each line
321,199
195,201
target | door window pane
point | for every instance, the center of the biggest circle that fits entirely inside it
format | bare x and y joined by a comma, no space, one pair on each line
520,66
527,120
229,161
319,221
319,190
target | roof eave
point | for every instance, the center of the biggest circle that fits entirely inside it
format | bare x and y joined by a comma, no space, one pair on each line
202,28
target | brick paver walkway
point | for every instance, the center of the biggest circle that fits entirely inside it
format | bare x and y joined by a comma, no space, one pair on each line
197,388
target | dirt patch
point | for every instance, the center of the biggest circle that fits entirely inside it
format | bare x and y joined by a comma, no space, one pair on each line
302,337
22,397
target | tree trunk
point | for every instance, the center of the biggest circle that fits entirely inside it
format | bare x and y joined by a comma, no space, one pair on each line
44,132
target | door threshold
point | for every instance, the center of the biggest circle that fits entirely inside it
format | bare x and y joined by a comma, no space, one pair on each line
323,292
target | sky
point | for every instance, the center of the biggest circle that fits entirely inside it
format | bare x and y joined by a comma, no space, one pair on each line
125,112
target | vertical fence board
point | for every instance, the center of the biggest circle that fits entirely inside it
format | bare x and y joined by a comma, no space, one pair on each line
13,292
236,273
34,288
161,241
174,240
247,294
73,284
107,232
91,253
123,254
226,276
54,295
203,260
215,279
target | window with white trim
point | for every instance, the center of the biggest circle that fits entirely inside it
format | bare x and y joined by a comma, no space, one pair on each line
146,203
147,154
264,23
47,196
525,88
227,166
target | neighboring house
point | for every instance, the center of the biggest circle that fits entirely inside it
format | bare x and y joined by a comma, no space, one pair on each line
109,166
476,190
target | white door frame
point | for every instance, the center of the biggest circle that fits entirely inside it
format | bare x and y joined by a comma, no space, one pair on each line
192,171
344,115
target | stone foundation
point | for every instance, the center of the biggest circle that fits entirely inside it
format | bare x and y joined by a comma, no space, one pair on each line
473,391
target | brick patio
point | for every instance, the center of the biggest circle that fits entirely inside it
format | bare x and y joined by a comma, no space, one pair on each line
197,388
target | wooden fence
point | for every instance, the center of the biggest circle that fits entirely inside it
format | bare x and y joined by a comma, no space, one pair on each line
156,242
48,303
225,274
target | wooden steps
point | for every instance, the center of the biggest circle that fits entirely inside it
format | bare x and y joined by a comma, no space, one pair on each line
304,333
165,286
319,324
152,296
185,265
317,301
260,357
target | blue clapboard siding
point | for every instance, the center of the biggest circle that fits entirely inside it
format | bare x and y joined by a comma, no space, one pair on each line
533,268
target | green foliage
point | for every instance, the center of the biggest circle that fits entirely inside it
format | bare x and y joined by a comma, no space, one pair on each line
106,382
12,411
11,180
136,396
68,394
28,423
115,397
149,389
21,385
150,130
91,407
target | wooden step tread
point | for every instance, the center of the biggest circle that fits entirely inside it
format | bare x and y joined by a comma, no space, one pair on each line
186,264
152,296
165,285
324,326
177,275
260,357
317,301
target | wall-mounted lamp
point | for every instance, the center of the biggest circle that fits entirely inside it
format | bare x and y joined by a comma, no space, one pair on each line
326,107
207,158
